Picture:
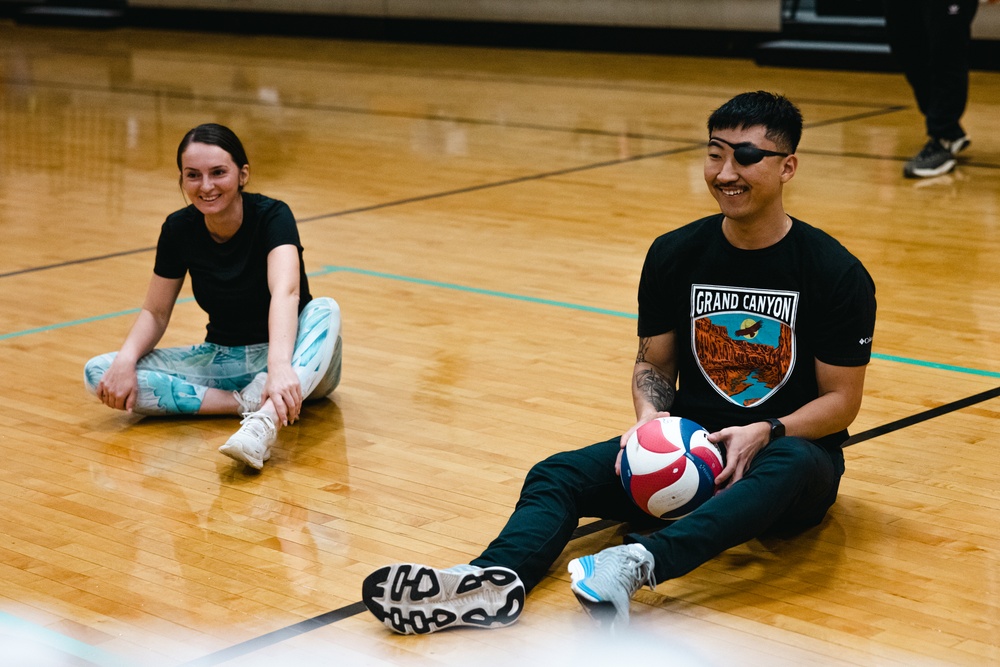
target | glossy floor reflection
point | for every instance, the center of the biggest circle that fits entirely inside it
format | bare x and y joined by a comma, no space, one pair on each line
481,215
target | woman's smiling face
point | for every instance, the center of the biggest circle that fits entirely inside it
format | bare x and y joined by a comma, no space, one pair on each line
211,179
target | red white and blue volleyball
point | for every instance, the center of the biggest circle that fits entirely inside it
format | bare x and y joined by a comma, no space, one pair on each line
669,467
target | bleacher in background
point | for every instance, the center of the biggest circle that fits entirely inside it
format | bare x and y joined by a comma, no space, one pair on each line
830,34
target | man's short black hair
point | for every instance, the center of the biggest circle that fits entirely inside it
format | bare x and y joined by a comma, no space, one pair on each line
782,119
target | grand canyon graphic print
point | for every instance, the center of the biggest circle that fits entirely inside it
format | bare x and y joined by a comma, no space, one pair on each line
744,340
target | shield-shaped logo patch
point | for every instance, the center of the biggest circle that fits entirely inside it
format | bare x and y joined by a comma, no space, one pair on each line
743,340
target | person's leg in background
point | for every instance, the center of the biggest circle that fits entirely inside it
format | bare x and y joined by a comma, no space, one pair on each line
930,39
949,31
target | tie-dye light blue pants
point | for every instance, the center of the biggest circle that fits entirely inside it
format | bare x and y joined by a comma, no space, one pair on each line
174,380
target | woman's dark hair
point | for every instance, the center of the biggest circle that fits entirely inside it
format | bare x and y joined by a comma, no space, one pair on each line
215,135
782,119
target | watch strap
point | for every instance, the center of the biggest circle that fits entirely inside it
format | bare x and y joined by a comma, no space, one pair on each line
777,429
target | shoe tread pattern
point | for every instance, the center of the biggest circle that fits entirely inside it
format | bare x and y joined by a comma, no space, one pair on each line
412,599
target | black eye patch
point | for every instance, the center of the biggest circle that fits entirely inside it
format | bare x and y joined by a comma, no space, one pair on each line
747,154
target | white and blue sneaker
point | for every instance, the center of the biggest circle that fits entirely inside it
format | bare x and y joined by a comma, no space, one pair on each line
605,582
417,599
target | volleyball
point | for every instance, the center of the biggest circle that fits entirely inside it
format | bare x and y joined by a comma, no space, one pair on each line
669,467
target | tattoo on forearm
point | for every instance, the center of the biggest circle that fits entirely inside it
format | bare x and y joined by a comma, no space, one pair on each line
640,356
655,388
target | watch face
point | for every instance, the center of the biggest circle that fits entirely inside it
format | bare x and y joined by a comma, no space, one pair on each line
777,429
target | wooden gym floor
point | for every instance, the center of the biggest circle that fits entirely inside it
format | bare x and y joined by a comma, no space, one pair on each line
481,216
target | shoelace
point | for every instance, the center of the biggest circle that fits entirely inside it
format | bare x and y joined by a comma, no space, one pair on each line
249,397
931,147
245,407
259,426
637,574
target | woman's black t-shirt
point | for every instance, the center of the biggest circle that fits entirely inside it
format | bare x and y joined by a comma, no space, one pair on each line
229,279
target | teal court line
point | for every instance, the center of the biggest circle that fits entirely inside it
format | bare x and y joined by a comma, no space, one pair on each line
71,647
477,290
73,323
326,270
931,364
615,313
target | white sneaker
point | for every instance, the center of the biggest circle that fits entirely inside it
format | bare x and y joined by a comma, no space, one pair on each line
605,582
249,396
252,443
417,599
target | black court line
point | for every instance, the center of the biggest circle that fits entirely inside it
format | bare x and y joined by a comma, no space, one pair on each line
279,636
857,116
356,608
71,262
484,122
651,87
496,184
521,179
923,416
400,202
316,622
338,108
509,181
962,161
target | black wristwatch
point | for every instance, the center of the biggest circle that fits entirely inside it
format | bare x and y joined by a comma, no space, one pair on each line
777,430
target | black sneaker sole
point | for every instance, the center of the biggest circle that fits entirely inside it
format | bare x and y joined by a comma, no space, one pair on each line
416,599
925,172
603,612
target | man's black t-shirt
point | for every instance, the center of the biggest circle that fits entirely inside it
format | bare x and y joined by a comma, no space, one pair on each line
751,323
229,279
